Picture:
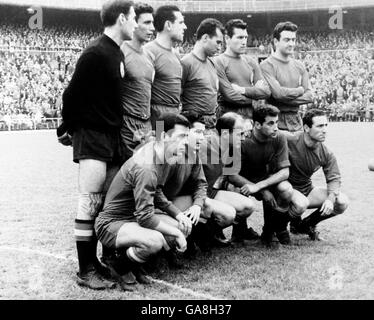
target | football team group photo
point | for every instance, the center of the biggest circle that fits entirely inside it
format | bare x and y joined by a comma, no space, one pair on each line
187,150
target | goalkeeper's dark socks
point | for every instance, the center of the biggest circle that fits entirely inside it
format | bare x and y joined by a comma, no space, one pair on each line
85,256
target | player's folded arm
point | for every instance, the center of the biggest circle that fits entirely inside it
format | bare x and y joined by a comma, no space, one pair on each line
278,92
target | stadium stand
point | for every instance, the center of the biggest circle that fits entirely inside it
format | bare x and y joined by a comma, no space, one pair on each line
36,65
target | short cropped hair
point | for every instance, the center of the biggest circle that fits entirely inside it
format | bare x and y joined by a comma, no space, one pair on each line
163,14
170,120
141,8
227,122
193,116
232,24
310,114
260,113
209,26
112,9
283,26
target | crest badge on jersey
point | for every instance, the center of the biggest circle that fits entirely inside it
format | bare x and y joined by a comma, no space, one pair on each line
122,69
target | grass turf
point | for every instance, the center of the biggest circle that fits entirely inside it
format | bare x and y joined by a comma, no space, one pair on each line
38,199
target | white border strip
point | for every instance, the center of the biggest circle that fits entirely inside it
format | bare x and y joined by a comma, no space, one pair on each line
162,282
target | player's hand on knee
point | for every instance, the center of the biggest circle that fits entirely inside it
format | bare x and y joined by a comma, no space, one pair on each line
249,189
181,242
327,208
193,213
184,224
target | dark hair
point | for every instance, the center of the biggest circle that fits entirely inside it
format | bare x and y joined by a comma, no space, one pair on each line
209,26
112,9
234,23
227,122
141,8
310,114
193,116
260,113
170,120
283,26
163,14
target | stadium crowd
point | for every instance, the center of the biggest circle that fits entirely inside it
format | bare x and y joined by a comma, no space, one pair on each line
326,40
31,82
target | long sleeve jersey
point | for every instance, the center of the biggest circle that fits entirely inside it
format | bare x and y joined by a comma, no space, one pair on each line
93,97
242,71
305,161
131,196
285,79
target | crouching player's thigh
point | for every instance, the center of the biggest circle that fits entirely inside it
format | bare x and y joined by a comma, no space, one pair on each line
298,205
221,212
318,195
243,205
120,234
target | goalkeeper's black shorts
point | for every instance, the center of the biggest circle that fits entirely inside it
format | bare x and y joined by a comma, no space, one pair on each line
102,146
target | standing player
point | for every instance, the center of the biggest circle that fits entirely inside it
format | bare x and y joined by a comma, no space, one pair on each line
137,85
166,88
308,154
200,81
92,112
287,78
264,173
240,77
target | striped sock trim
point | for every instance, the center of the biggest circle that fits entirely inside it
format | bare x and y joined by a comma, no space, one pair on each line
131,253
84,230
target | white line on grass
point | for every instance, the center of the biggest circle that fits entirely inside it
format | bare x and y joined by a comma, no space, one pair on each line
162,282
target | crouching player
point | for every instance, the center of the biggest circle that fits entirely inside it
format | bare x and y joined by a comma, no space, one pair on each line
307,154
219,161
264,173
128,222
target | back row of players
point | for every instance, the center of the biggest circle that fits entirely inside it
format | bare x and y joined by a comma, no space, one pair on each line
202,149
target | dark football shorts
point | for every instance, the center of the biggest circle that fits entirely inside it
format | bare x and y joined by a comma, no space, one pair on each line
134,132
305,189
106,232
95,145
157,110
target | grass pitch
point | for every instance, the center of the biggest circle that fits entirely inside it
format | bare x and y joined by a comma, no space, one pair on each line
37,251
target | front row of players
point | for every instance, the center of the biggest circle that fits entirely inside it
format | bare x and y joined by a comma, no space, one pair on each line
172,194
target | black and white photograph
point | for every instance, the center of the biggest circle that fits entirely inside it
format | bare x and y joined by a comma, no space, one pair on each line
192,151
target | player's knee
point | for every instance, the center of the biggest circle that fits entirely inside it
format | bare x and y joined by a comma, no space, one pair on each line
248,207
89,205
155,242
285,189
341,204
226,219
300,205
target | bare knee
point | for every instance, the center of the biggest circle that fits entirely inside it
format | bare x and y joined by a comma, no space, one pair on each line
341,204
300,205
285,189
246,208
154,242
227,218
